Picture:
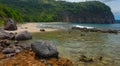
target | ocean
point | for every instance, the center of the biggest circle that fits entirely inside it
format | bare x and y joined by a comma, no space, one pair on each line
62,25
92,44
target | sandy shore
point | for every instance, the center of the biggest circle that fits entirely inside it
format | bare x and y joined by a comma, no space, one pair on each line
30,27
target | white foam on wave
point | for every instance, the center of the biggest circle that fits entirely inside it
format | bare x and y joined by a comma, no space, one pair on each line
79,26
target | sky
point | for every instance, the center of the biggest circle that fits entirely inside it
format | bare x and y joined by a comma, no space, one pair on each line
114,5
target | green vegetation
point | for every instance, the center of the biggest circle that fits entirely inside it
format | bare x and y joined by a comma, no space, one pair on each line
1,22
6,12
51,10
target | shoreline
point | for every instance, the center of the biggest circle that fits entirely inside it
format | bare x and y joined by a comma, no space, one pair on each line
30,27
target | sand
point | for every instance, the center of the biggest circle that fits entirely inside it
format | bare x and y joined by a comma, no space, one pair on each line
30,27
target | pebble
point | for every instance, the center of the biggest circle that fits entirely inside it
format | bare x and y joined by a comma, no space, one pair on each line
17,51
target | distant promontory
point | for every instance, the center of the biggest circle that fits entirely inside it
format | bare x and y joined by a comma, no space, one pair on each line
57,11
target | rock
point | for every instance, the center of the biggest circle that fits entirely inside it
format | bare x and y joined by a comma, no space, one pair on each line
4,43
4,35
24,46
10,25
24,35
9,55
83,58
95,30
1,48
16,42
44,49
112,31
59,62
8,50
12,36
100,58
42,30
18,47
82,35
17,50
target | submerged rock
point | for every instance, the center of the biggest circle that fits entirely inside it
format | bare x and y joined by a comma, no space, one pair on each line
44,49
42,30
24,35
10,25
83,58
95,30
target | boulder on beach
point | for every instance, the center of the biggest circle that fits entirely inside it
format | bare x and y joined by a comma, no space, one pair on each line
4,35
24,35
44,49
10,25
42,30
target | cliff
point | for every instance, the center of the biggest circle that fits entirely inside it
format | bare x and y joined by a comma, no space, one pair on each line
56,11
88,12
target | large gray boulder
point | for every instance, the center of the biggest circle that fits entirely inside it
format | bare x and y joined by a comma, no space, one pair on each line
44,49
24,35
10,25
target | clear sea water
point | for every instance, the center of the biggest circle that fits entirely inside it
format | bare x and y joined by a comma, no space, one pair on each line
62,25
93,44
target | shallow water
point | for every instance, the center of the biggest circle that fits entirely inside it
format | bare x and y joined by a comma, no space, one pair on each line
71,44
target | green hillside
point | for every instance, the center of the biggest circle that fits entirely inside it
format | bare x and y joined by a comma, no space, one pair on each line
7,12
56,11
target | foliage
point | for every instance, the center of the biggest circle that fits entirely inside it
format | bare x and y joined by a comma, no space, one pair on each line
6,12
51,10
1,22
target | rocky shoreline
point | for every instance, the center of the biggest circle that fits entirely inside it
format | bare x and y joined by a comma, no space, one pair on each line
39,53
13,53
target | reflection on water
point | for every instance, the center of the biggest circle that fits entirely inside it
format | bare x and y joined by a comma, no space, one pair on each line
72,45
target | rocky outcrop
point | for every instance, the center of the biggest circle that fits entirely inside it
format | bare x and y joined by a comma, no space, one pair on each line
10,25
44,49
24,35
96,30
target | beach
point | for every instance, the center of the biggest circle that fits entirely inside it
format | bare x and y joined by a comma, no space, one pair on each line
30,27
80,47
